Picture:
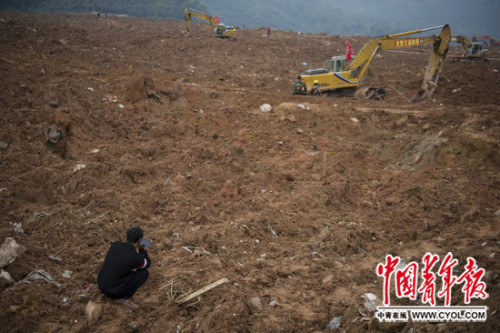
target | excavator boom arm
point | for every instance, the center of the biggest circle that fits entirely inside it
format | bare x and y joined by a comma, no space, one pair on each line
440,44
340,74
189,12
368,51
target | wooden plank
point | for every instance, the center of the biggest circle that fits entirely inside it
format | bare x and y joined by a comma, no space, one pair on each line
202,290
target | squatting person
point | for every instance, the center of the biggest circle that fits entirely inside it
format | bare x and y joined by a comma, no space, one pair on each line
124,270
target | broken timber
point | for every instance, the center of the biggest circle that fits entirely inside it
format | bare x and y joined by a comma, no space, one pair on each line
202,290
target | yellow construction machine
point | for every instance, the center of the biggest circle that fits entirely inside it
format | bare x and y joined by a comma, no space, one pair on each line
220,29
341,77
471,50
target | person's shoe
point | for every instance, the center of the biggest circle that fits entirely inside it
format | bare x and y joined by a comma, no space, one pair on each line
126,302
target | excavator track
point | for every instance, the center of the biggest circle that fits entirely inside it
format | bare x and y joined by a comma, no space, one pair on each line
373,93
347,92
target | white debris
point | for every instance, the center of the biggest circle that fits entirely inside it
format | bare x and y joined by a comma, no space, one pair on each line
305,107
67,274
79,167
41,275
355,120
266,108
18,228
93,312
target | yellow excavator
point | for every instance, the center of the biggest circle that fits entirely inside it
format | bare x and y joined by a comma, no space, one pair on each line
220,30
341,77
471,50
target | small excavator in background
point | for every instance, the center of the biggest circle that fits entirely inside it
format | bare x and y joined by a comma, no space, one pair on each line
220,30
341,77
471,50
489,40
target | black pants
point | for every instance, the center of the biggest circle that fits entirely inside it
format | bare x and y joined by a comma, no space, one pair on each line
137,279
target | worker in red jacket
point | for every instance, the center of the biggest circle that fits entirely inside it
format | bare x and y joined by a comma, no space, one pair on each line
124,269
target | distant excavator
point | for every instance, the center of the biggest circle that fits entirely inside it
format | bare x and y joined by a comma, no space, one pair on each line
471,50
220,30
341,76
489,40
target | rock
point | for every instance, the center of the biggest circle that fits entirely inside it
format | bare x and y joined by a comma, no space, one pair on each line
93,312
497,213
266,108
5,279
355,120
300,131
9,251
254,304
4,145
52,98
327,281
370,303
316,176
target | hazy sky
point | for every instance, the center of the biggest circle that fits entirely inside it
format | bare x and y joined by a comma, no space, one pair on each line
466,17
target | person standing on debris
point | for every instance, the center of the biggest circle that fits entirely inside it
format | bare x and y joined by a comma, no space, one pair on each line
268,31
124,270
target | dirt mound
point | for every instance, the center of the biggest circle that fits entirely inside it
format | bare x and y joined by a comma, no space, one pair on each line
112,123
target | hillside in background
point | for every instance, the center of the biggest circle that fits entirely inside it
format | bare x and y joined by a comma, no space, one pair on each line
345,18
157,9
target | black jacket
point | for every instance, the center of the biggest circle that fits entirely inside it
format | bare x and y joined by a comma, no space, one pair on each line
120,263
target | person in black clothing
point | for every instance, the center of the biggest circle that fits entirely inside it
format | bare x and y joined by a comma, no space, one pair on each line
124,270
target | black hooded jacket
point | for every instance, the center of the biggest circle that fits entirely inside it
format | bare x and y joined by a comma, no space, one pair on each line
121,262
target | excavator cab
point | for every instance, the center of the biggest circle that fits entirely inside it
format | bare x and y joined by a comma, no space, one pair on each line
476,49
336,64
219,30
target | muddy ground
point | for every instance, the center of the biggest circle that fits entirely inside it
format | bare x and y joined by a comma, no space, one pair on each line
155,127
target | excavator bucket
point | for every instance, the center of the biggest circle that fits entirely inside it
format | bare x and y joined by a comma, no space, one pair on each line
434,66
373,93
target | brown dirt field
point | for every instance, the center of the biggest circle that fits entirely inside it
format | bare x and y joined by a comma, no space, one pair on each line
163,129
